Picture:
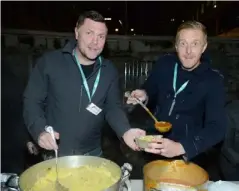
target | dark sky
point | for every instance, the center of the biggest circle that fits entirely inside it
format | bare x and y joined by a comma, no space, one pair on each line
148,18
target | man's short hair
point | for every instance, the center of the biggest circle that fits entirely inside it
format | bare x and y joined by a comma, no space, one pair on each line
191,25
93,15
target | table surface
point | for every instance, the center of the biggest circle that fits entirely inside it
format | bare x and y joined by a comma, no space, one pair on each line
137,185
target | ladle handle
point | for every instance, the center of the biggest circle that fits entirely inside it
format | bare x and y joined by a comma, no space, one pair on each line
50,130
146,109
149,112
127,94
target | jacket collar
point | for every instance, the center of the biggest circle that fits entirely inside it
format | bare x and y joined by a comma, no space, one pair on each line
203,66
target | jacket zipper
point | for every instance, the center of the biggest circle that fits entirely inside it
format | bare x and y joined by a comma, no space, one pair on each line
186,130
172,107
80,98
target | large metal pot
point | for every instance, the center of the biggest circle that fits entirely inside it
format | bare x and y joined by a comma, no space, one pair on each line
176,175
29,177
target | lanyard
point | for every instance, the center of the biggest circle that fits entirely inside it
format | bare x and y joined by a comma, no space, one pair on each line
174,87
85,81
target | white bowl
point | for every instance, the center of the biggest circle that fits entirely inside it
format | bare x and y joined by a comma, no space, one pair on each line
143,141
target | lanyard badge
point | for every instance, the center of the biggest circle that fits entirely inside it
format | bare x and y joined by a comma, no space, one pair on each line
91,107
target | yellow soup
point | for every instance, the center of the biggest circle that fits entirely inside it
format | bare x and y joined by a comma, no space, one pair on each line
84,178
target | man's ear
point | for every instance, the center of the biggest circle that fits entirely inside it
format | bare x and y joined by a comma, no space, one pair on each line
204,47
76,33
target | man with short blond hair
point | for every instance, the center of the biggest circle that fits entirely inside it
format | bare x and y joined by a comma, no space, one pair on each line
189,94
192,25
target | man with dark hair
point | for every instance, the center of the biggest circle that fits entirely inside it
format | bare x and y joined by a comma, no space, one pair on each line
93,15
73,90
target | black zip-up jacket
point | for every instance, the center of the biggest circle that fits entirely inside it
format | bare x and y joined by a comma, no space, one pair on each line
199,117
55,96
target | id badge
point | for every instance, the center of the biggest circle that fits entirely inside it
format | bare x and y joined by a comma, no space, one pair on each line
94,109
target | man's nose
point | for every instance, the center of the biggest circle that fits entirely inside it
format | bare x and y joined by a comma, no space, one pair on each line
188,49
95,40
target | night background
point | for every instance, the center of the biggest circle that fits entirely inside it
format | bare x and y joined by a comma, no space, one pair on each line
147,18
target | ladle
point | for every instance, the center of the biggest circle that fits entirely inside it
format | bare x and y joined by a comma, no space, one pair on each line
59,186
157,124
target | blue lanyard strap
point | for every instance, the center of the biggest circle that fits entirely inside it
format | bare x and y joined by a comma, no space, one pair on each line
175,81
84,78
174,88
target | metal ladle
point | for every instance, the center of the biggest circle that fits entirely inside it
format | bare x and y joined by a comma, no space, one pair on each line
59,186
157,124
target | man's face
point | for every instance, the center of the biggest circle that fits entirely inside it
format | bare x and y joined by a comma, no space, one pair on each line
91,38
190,45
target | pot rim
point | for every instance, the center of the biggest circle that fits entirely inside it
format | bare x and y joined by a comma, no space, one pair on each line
124,169
177,181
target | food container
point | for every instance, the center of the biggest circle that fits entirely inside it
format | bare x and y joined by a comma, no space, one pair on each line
174,175
143,141
29,177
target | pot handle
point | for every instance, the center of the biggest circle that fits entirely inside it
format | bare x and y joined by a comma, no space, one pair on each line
124,182
13,182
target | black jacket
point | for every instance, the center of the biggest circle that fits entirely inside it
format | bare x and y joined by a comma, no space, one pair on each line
199,117
55,96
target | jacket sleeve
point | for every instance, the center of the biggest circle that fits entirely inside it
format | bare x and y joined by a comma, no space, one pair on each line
215,122
114,112
34,99
150,85
156,76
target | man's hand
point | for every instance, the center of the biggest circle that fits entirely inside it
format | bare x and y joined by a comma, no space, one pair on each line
32,148
46,142
139,94
130,135
166,148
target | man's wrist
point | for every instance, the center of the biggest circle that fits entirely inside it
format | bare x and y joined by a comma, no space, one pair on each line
124,134
181,150
146,97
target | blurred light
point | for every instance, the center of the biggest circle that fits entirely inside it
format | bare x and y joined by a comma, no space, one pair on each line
116,30
107,19
134,34
214,4
183,21
120,22
132,30
172,19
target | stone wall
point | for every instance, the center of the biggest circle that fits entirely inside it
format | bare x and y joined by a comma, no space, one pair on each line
133,55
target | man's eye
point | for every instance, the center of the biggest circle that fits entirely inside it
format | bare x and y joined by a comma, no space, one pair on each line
182,43
195,43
